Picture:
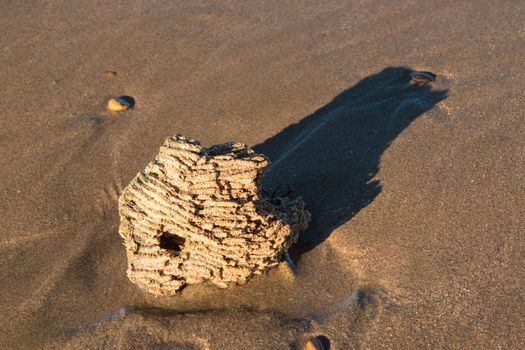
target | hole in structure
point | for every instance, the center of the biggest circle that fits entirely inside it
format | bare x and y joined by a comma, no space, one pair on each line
171,242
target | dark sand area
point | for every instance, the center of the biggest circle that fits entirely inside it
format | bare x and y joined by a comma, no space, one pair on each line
417,193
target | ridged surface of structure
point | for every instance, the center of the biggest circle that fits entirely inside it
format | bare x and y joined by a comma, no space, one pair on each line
198,214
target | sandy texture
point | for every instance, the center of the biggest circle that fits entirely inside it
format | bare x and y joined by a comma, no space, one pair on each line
416,193
199,214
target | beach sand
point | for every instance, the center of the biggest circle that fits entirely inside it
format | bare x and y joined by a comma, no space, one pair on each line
416,192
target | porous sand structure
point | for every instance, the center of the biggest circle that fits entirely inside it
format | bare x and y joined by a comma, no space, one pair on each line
199,214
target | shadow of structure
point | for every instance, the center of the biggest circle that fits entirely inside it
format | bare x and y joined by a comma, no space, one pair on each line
330,157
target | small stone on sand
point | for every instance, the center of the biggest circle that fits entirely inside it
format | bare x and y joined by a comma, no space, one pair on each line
318,343
313,344
109,73
119,104
422,78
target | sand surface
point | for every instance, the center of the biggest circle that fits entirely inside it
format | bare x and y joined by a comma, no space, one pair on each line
416,193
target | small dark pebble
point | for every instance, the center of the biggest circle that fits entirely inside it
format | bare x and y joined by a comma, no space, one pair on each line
121,103
422,78
318,343
363,298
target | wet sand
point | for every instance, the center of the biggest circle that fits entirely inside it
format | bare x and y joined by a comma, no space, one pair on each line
416,192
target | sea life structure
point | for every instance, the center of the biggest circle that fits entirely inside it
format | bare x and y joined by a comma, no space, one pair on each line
199,214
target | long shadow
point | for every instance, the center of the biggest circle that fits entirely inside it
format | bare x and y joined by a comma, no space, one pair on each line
330,157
